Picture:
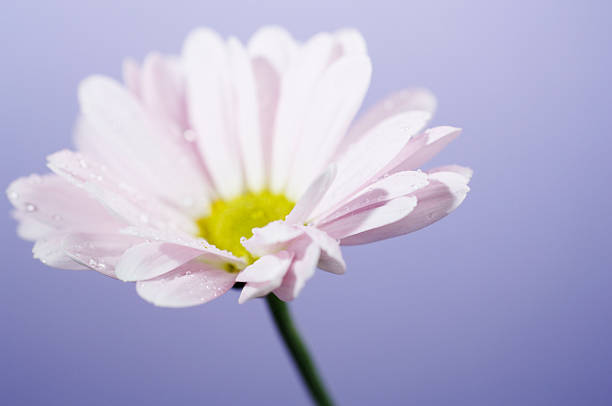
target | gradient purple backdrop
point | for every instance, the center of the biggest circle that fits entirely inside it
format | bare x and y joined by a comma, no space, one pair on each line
505,302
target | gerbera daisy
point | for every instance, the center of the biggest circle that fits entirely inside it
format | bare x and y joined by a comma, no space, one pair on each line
233,163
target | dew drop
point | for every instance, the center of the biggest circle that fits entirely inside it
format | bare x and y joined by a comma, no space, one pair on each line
30,208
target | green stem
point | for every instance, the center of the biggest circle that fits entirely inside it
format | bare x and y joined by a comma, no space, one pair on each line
298,350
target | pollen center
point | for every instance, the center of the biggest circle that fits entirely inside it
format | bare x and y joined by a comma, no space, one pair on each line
230,220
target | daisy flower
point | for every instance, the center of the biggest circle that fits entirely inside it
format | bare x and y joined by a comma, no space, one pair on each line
235,163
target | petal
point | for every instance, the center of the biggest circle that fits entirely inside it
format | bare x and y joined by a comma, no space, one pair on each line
163,89
385,189
333,104
138,146
176,237
49,251
264,275
132,76
296,88
246,115
445,191
192,284
363,162
461,170
304,207
274,44
369,218
209,90
302,269
51,202
97,251
422,148
118,197
266,268
392,105
30,229
331,256
274,237
350,42
149,260
267,83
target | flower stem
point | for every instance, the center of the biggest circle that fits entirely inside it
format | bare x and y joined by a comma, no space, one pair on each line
298,350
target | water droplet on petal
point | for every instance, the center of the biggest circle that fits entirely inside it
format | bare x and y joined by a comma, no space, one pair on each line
30,208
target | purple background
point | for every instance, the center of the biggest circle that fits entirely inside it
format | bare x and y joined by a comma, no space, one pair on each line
505,302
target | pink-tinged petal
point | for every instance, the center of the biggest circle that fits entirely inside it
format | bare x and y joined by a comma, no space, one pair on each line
461,170
54,203
274,44
246,115
369,218
302,269
297,85
350,42
333,104
267,83
258,289
266,268
163,89
150,260
209,90
30,229
445,191
97,251
385,189
392,105
121,199
422,148
213,254
274,237
49,251
132,76
363,162
141,147
264,275
192,284
331,259
315,192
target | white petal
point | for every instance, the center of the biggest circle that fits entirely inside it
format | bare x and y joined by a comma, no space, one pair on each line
274,44
331,259
121,199
295,95
363,162
334,102
246,115
271,238
422,148
150,260
445,191
55,203
266,268
302,269
385,189
392,105
149,152
370,218
192,284
97,251
209,90
305,205
49,251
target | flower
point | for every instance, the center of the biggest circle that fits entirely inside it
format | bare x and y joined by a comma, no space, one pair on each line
233,163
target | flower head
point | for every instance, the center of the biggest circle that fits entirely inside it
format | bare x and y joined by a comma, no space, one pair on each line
233,163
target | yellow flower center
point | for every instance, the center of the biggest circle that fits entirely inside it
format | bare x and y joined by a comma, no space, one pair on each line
230,220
